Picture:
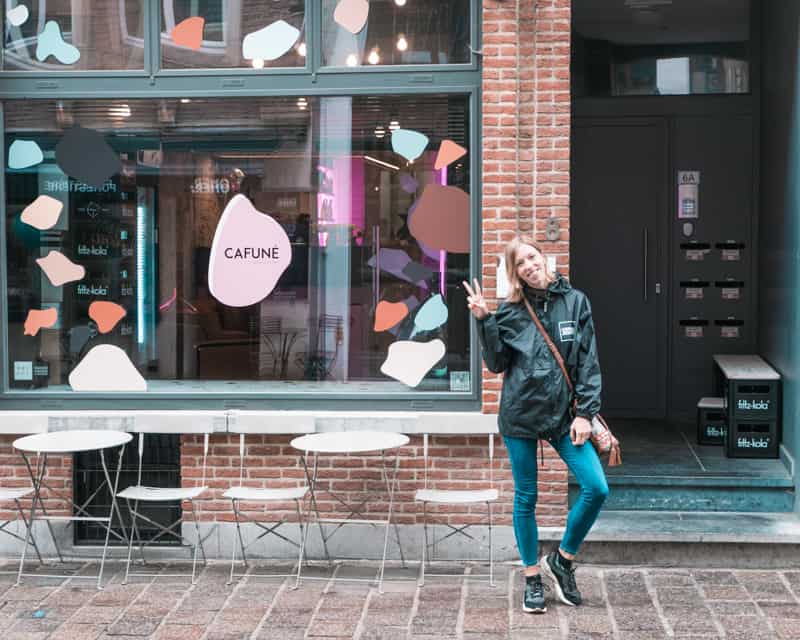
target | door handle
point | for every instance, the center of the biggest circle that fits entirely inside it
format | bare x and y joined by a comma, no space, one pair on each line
644,264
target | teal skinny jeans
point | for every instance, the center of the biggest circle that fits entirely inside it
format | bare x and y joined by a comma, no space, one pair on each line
584,464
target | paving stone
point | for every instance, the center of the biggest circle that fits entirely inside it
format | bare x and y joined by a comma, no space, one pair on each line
733,608
671,579
786,629
538,634
677,595
70,631
179,632
724,592
139,626
92,614
780,610
334,629
636,618
384,633
746,628
715,577
486,621
190,617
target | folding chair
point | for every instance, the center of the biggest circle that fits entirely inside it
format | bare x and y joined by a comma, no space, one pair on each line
455,497
15,494
139,493
241,493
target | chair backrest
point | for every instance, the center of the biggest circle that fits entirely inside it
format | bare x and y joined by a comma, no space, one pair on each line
425,459
141,431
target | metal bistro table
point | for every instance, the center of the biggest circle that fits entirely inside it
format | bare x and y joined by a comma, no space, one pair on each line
342,443
63,443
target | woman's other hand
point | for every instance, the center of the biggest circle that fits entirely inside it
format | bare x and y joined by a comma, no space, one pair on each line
475,300
580,430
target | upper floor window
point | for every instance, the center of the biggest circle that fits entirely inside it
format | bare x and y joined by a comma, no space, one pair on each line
59,35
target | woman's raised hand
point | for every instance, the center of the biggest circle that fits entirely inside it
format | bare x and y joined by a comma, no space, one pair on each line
475,300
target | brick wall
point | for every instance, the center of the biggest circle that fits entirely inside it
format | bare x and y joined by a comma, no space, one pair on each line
526,129
454,462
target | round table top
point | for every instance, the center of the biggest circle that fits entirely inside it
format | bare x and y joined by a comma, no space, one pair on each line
72,441
349,441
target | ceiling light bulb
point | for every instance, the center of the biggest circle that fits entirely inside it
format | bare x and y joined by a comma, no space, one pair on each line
394,125
258,63
402,43
185,100
374,58
352,60
301,49
400,3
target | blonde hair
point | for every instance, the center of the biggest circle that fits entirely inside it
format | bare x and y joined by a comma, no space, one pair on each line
512,248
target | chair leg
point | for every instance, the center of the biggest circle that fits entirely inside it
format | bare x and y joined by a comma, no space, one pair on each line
33,538
239,535
303,538
199,543
130,540
491,548
421,581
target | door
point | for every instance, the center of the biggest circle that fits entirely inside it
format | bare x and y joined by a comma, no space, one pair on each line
619,169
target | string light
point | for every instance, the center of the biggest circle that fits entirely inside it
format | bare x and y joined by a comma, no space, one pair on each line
352,60
258,63
402,43
374,58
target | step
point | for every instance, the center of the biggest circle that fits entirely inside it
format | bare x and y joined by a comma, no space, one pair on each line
698,493
691,539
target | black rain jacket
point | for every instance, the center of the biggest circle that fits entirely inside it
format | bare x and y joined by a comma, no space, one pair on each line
536,401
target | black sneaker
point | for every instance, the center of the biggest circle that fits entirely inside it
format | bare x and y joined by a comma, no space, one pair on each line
563,577
533,598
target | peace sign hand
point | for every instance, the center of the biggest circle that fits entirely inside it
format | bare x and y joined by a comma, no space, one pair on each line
475,300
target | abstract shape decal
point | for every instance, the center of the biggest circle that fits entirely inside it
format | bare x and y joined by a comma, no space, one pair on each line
409,144
417,272
388,314
408,183
18,15
23,154
409,361
85,155
351,15
441,219
249,253
449,152
106,368
39,319
432,314
189,33
51,43
42,213
271,42
106,314
59,269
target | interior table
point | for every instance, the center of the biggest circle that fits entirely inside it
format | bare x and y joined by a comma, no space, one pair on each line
347,443
61,443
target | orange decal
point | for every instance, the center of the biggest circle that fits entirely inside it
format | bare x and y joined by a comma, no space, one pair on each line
106,315
189,33
388,314
39,319
449,152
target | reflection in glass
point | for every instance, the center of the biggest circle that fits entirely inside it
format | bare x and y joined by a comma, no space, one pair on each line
105,35
419,32
227,24
323,168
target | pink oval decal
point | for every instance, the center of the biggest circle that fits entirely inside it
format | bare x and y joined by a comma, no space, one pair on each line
249,254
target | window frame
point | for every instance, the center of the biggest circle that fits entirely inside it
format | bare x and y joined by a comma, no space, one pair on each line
313,80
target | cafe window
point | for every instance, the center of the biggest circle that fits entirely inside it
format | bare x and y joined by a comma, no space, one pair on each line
212,34
395,32
56,36
132,225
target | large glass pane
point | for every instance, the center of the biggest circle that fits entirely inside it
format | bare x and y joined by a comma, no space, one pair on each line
378,241
64,35
212,34
395,32
680,47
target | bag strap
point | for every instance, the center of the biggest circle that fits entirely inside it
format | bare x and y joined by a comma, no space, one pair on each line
550,345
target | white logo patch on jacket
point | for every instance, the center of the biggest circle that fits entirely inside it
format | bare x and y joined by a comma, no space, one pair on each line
566,331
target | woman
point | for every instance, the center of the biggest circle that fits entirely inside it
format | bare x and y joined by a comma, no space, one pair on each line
536,405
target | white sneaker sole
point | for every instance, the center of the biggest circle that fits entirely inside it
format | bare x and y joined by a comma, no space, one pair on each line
530,610
549,572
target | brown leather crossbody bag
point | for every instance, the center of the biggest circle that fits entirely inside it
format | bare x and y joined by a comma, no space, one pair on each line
602,439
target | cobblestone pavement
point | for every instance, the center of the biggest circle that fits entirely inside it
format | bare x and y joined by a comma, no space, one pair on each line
621,603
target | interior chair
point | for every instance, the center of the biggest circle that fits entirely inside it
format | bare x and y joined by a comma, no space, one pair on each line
138,493
242,493
319,361
432,496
